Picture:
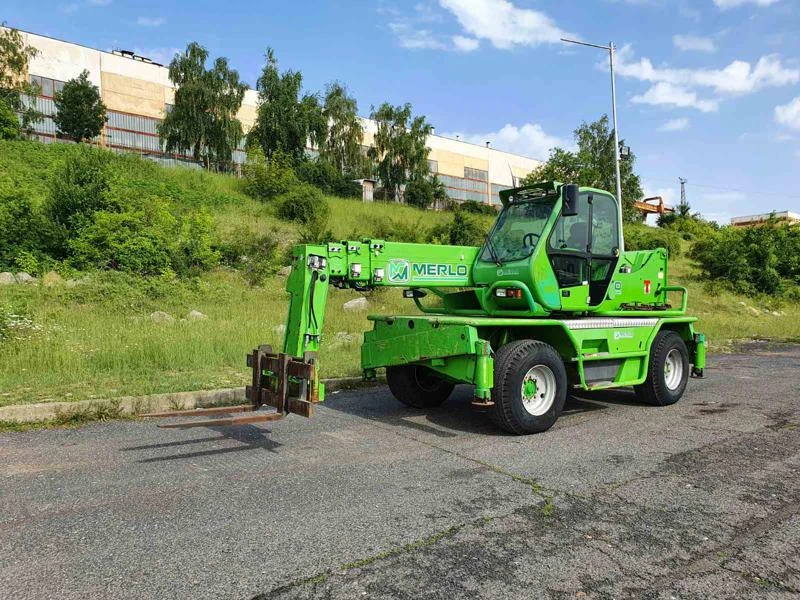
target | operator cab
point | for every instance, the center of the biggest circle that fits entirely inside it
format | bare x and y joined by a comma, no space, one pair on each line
581,243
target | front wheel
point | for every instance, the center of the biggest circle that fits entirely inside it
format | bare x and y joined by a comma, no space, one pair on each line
668,371
530,387
417,386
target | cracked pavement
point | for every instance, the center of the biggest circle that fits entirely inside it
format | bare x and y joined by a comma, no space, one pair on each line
372,499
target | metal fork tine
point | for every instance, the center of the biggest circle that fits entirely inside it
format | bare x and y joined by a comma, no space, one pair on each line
217,410
273,416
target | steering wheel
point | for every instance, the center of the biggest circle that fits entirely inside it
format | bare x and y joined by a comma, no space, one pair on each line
532,242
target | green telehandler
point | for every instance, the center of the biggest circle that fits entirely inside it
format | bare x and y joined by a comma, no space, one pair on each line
550,302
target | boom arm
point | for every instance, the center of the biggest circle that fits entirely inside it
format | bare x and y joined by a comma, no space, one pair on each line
363,266
288,380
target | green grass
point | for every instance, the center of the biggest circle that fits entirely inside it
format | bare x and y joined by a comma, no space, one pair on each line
97,340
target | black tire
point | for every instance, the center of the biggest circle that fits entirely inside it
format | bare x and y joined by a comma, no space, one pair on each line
655,390
417,386
512,363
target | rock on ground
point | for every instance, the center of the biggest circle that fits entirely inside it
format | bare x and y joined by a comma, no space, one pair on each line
24,277
161,317
195,315
342,338
7,278
285,271
356,304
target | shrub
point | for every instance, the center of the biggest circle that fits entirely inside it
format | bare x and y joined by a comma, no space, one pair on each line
326,177
265,179
132,241
24,231
304,204
692,226
462,230
9,122
196,248
475,208
80,187
252,254
752,259
642,237
398,230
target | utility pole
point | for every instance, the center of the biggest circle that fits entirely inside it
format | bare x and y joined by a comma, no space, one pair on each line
683,194
611,49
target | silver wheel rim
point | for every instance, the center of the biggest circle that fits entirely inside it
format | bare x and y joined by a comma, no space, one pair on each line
538,390
673,369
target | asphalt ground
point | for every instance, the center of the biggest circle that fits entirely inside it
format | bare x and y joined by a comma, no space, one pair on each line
371,499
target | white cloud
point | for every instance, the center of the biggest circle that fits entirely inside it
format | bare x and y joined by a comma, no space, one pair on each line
738,77
675,125
465,44
694,43
789,114
504,24
664,93
528,140
725,4
151,21
408,36
415,39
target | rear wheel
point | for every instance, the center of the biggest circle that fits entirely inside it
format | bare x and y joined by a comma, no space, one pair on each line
530,387
417,386
668,371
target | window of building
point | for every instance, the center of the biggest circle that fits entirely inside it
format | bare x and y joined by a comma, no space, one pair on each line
46,86
433,166
478,174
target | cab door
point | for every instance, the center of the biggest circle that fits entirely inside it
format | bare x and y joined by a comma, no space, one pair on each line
603,245
568,253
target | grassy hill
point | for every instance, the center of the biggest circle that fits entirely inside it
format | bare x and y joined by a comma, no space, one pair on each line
93,337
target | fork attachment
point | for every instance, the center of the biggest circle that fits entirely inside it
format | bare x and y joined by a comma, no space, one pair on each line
284,382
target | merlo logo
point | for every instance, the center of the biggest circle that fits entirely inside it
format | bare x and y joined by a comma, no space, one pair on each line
399,270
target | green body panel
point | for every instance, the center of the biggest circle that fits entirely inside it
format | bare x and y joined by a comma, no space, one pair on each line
443,342
604,341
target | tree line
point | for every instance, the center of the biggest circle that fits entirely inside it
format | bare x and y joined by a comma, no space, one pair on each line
203,121
289,120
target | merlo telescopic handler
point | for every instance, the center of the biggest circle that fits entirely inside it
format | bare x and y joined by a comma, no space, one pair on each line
550,302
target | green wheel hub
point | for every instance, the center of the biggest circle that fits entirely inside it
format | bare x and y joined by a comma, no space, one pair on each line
529,389
538,390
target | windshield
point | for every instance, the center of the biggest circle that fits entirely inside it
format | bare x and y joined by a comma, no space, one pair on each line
517,231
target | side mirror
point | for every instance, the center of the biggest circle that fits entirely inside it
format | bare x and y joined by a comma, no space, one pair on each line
569,200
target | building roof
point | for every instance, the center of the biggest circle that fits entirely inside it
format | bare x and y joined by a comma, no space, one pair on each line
785,215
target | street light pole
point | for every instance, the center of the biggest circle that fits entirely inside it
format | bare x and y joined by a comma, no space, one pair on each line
611,49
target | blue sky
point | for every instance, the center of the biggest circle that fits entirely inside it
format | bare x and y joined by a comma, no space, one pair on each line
708,90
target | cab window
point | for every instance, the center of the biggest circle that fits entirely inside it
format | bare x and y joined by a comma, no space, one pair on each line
568,246
571,234
605,226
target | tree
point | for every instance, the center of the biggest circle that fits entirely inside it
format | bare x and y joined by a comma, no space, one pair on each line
424,191
342,148
203,119
9,123
16,92
286,121
80,113
399,151
592,164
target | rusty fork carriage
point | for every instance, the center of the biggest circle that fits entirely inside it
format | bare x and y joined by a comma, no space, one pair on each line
279,380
